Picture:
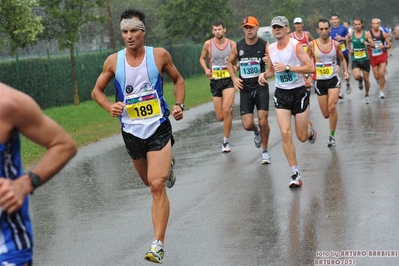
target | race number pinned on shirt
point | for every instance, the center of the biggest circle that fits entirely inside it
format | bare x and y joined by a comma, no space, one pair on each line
220,72
359,53
377,50
249,69
286,77
324,69
143,105
342,46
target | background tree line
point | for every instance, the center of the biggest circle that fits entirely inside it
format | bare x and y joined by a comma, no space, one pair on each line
31,25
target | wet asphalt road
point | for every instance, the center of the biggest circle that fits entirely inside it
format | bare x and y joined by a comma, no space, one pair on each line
228,209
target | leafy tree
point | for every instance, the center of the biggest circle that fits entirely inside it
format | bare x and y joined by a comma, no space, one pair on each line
18,25
63,20
191,20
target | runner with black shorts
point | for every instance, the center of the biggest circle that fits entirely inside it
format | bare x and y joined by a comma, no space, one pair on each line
288,62
325,53
250,53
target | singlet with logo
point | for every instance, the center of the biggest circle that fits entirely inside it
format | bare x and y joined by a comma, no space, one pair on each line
342,31
141,89
288,56
250,58
218,60
380,40
303,40
325,62
359,48
16,235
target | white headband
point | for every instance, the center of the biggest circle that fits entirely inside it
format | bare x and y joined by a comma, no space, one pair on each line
132,23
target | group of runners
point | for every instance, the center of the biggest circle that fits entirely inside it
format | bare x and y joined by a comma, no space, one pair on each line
322,63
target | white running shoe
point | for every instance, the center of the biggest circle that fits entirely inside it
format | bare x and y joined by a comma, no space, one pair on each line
265,158
382,95
295,180
341,94
367,99
226,147
331,141
156,252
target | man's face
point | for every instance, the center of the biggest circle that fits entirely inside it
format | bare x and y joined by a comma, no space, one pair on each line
375,24
298,26
335,21
279,31
357,25
250,32
218,31
324,30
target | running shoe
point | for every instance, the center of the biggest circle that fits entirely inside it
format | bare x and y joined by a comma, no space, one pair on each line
367,99
378,81
295,180
348,88
257,138
265,158
331,141
156,252
361,83
312,138
172,177
382,95
341,94
226,147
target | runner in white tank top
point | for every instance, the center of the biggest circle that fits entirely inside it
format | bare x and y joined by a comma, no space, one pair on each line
288,62
325,52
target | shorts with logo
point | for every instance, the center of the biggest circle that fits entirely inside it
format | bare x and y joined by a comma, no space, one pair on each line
218,85
296,100
322,86
256,96
137,148
363,65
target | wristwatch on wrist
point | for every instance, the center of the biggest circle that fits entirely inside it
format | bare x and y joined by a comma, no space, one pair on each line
35,180
181,105
287,68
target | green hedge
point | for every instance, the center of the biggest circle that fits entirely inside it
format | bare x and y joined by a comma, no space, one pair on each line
48,78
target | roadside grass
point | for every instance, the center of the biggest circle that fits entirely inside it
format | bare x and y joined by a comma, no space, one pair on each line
88,122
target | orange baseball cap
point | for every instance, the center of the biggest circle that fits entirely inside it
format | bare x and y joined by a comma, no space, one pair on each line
250,21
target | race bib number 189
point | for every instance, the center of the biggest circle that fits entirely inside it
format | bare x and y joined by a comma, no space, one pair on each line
143,105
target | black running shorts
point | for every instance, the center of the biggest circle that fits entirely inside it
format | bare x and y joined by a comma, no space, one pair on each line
363,65
137,148
258,97
296,100
321,87
218,85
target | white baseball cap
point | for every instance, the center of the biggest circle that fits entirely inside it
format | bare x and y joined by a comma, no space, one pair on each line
298,20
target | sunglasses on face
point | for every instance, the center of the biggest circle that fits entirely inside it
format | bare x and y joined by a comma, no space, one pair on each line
277,27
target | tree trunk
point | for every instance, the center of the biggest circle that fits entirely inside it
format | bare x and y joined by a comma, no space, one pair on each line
110,27
76,100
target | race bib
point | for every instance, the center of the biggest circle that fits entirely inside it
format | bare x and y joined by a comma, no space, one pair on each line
342,46
220,72
359,53
286,77
249,69
377,50
143,105
324,70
